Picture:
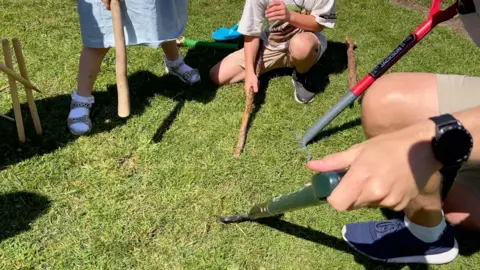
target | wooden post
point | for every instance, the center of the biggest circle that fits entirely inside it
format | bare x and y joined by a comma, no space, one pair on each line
28,91
121,60
13,92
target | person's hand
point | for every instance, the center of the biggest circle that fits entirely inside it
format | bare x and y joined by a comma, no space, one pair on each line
106,3
277,11
387,171
251,82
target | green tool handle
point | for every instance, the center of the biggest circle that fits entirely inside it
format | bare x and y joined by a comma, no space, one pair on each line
310,195
216,45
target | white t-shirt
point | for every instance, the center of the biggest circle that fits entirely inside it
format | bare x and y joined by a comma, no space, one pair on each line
276,35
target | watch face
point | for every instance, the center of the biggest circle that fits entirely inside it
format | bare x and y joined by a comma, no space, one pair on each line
455,144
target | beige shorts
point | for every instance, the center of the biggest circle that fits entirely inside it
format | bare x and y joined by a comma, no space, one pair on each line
271,59
457,93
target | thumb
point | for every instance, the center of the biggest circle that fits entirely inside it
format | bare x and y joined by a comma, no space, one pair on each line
337,161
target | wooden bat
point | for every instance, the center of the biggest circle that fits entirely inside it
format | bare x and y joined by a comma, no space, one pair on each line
121,60
352,65
248,108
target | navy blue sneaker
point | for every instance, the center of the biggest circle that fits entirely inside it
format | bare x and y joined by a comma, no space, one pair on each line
391,242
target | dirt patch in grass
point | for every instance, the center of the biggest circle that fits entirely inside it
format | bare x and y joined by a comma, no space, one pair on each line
454,24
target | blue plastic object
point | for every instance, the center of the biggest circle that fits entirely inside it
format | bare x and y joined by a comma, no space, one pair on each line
224,33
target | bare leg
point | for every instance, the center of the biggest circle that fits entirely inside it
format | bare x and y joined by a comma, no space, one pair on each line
89,67
227,72
304,50
170,49
177,66
82,99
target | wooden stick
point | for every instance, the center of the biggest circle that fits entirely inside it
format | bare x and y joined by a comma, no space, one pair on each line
28,91
352,65
121,60
14,92
18,77
3,88
248,108
7,117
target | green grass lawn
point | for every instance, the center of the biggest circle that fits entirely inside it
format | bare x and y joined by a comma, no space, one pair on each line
144,193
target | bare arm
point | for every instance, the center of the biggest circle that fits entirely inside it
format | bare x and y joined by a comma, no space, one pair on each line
305,22
251,46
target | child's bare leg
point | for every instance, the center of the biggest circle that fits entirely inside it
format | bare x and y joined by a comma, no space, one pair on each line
228,71
89,67
304,50
177,66
82,99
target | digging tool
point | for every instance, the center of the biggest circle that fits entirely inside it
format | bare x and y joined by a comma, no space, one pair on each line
182,41
312,194
435,17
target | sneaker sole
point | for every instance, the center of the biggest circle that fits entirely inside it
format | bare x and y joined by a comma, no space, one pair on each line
441,258
295,96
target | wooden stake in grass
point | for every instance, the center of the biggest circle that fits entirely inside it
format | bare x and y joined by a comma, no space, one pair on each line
352,65
28,91
121,60
13,91
250,95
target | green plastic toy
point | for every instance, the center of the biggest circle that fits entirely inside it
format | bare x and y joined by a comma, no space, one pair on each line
197,43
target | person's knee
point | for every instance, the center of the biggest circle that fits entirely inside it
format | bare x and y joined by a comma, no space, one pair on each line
304,46
377,103
215,75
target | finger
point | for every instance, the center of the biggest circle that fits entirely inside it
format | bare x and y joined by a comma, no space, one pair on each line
337,161
273,13
255,87
375,194
346,193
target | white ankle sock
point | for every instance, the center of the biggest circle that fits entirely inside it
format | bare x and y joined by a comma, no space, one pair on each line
426,234
182,68
79,112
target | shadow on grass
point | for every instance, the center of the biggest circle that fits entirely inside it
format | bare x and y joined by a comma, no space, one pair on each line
144,86
18,210
328,132
331,242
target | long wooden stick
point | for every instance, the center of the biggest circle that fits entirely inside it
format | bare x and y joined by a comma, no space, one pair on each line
18,77
14,92
121,60
248,108
352,65
28,91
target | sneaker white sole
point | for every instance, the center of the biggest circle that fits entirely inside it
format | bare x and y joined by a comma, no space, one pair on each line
295,95
441,258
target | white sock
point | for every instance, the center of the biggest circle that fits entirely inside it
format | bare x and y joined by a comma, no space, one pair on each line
182,68
426,234
79,112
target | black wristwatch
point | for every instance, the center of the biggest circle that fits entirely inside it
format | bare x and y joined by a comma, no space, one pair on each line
452,143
